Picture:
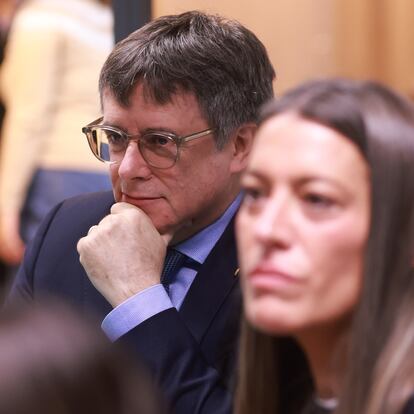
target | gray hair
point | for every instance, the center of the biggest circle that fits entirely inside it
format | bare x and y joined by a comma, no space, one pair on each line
218,60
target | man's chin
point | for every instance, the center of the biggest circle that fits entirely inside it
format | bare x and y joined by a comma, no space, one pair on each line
179,232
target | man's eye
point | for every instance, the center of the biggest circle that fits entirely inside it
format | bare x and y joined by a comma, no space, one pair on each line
156,140
115,139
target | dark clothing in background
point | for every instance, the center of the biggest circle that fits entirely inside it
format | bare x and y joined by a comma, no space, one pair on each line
129,15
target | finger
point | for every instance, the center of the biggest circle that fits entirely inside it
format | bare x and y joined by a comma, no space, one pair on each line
122,206
12,255
92,229
167,237
79,245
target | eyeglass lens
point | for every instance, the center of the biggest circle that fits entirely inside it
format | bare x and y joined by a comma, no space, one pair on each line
157,149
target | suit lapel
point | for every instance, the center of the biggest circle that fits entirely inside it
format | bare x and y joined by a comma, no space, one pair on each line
212,285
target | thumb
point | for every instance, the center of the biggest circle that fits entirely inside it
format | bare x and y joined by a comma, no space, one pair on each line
122,206
167,237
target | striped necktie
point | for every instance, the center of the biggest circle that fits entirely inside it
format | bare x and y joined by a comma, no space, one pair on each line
174,260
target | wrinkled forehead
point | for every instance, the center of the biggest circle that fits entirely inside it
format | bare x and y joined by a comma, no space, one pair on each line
179,113
153,91
151,95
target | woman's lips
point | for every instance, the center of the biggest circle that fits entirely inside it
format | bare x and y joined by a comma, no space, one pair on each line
273,278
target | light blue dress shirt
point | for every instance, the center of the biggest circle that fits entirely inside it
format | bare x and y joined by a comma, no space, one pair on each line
155,299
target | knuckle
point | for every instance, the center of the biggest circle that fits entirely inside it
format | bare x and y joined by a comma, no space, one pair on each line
79,245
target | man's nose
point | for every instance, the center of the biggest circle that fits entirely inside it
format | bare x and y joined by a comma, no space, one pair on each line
133,165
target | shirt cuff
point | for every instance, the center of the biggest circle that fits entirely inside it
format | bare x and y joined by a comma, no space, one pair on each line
135,310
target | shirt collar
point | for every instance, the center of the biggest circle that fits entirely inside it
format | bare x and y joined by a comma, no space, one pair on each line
200,245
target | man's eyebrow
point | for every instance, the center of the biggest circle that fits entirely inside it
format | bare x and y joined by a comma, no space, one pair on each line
112,125
162,129
165,130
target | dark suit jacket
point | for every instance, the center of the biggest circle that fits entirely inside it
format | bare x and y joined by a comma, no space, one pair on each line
409,409
192,351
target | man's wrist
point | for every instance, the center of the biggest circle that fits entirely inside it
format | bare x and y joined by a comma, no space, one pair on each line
135,310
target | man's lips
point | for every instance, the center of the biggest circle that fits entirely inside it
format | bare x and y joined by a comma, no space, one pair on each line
138,200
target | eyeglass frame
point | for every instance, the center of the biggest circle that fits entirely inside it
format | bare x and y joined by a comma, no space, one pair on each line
178,140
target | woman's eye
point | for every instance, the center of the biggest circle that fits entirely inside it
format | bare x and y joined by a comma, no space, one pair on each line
318,200
251,194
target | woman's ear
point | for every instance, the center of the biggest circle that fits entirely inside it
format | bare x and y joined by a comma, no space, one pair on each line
242,144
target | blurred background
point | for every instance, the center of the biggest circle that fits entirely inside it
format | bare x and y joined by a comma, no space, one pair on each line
317,38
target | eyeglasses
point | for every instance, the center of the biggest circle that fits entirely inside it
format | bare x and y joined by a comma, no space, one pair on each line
159,149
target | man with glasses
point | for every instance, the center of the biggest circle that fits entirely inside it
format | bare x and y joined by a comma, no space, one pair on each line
180,100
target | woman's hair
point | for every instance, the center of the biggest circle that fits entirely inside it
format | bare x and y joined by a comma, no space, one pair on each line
54,362
379,372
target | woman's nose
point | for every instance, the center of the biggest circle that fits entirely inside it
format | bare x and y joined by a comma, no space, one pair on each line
274,221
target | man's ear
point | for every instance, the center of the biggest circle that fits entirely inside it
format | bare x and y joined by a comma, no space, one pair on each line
241,146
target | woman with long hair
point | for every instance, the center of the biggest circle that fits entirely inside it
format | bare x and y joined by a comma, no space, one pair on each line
326,246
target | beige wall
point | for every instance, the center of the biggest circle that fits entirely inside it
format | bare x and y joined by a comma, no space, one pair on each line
354,32
316,38
397,51
297,35
375,40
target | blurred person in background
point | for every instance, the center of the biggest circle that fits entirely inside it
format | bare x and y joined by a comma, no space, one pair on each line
7,11
48,81
52,361
326,241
